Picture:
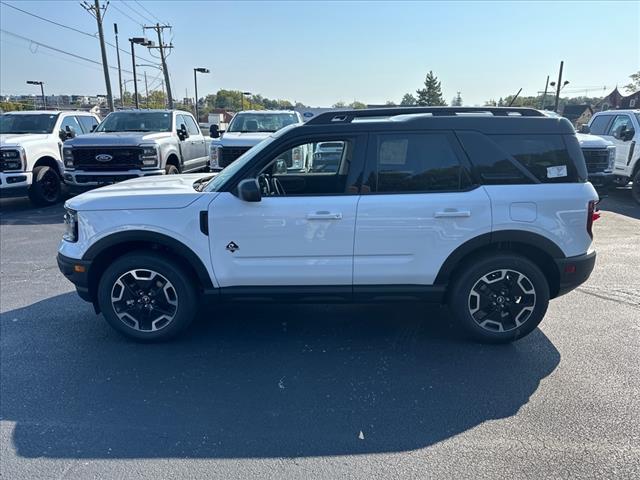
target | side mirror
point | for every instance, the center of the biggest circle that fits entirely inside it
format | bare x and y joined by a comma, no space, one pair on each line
213,131
627,134
584,129
69,132
182,132
249,190
93,127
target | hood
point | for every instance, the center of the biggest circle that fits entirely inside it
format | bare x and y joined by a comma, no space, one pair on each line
103,139
13,139
241,139
156,192
592,141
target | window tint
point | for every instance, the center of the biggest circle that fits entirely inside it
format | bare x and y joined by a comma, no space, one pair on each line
71,121
544,156
621,124
418,163
87,123
192,128
600,124
318,168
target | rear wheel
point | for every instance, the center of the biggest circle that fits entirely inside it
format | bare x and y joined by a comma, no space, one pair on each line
499,298
635,188
171,169
147,297
46,188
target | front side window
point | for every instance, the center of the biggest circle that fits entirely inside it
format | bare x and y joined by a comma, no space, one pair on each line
621,124
600,124
192,128
87,123
71,122
416,162
261,122
27,123
136,122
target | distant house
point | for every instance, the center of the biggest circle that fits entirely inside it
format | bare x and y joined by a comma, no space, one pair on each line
578,114
616,100
631,101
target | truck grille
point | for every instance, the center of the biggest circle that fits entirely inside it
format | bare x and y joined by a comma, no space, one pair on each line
229,154
123,158
597,159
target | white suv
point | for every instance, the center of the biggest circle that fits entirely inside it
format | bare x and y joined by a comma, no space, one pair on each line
31,151
491,214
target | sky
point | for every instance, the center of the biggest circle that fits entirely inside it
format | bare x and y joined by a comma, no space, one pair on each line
319,53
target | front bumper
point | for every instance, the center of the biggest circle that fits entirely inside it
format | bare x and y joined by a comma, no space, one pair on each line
77,272
80,180
574,271
15,184
602,180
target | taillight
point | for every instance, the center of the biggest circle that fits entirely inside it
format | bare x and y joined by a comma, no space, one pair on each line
593,214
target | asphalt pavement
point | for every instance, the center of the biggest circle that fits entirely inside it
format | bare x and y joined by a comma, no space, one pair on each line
316,391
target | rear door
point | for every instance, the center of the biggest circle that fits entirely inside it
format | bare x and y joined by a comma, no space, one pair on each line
421,207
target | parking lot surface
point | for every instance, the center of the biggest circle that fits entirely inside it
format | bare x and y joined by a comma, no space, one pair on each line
317,391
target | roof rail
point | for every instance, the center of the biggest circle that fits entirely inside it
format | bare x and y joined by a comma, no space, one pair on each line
347,116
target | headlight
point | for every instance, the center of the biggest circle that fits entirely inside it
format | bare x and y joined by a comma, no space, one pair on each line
67,154
612,157
13,159
214,156
71,226
149,157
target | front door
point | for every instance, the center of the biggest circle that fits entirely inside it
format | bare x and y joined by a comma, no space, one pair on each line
301,233
422,207
617,134
197,148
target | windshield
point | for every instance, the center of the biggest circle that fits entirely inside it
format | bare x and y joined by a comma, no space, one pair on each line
136,122
30,123
261,122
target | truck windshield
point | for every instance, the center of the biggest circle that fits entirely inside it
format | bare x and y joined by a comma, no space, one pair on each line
261,122
136,122
27,123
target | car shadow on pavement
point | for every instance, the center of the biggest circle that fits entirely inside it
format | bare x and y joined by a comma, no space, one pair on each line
256,381
19,211
620,201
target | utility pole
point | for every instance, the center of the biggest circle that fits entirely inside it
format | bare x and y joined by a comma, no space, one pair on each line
135,78
146,88
558,87
162,47
96,12
544,95
115,28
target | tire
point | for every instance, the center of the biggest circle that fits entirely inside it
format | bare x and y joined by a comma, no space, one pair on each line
46,188
516,285
147,297
171,169
635,188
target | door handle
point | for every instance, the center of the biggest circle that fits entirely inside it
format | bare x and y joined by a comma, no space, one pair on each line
324,216
452,213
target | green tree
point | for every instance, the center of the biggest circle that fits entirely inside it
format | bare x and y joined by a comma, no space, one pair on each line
431,94
339,104
408,100
357,105
156,99
390,103
12,106
457,100
634,86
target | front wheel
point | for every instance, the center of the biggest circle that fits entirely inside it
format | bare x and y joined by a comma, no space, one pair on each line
499,298
147,297
171,169
46,188
635,188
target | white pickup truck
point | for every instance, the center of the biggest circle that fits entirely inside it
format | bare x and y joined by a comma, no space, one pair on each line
31,151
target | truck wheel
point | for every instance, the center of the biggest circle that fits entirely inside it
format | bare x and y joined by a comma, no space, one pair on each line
46,188
499,298
171,169
635,188
147,297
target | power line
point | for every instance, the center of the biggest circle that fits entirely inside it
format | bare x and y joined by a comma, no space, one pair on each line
128,16
146,10
144,18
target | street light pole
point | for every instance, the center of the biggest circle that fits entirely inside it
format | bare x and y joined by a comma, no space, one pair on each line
558,86
38,82
195,81
146,88
115,28
135,80
544,95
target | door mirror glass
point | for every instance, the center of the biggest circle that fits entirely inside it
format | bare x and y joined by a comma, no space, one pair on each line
69,132
249,190
585,129
182,132
213,131
628,134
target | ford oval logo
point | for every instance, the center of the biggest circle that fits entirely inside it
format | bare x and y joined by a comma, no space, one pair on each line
103,157
307,114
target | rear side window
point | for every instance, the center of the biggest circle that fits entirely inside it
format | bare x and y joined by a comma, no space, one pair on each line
544,156
414,162
600,124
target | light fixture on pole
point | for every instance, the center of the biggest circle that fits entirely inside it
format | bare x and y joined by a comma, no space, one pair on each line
38,82
145,43
195,81
246,94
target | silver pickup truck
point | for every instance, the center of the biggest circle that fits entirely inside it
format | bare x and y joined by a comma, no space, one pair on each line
134,143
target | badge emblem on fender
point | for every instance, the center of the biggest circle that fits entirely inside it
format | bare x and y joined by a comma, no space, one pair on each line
232,247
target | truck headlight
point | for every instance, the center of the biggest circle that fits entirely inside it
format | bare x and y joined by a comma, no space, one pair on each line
214,156
67,156
13,159
149,157
612,158
71,226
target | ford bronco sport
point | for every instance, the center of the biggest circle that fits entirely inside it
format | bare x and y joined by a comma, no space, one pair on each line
489,213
